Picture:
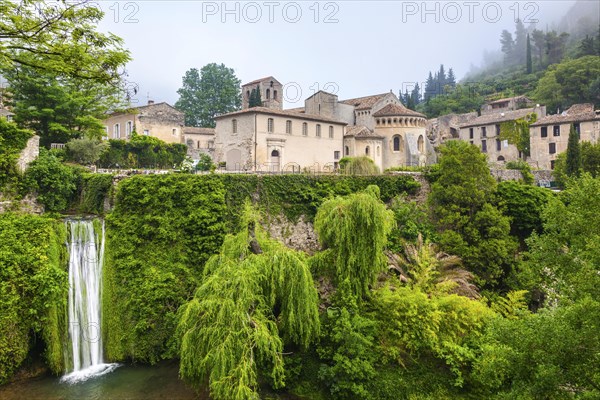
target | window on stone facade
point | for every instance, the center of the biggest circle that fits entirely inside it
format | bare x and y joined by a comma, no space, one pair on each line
378,151
552,148
128,128
483,131
318,130
270,125
146,132
346,151
336,155
470,133
288,127
248,94
556,130
274,94
268,94
552,162
544,131
174,131
577,129
234,125
367,149
497,130
210,144
484,146
304,129
421,144
498,145
396,143
330,132
116,131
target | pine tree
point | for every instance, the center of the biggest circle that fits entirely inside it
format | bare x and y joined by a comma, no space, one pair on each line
408,101
508,47
429,88
451,80
520,42
573,163
529,60
255,98
415,95
441,79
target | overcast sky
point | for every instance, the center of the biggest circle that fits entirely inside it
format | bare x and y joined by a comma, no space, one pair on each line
354,48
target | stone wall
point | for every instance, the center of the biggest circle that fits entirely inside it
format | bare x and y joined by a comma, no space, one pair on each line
29,153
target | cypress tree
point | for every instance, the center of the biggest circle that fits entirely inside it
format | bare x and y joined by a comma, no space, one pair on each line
255,98
529,61
573,163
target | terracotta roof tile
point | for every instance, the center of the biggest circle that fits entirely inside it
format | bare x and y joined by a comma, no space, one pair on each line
577,113
261,80
394,109
364,102
283,113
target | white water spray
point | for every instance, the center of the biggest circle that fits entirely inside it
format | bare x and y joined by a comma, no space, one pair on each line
86,253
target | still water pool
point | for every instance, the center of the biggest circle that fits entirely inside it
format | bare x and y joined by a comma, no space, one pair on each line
127,382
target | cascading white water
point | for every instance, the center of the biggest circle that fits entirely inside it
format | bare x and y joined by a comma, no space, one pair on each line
86,257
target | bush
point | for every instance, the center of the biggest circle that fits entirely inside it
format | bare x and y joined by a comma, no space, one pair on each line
358,166
85,151
12,141
525,169
143,152
54,182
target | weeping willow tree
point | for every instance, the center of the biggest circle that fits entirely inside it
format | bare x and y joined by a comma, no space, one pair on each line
353,230
257,295
358,166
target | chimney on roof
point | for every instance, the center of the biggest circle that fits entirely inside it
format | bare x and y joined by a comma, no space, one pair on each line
150,102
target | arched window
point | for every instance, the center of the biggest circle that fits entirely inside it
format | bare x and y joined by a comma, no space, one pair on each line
421,144
500,158
274,94
288,127
268,94
248,94
318,132
330,132
275,153
234,125
270,125
367,150
396,143
304,129
346,151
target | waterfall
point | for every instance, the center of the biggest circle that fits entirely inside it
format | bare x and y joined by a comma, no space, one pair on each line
86,256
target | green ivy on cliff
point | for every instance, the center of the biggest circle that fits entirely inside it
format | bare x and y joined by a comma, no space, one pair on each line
33,290
159,235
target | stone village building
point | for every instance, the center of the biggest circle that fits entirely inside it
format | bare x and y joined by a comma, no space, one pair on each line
549,135
484,130
159,120
316,136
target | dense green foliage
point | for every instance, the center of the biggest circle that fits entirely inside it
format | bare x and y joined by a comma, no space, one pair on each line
517,132
469,225
33,290
354,229
12,141
85,151
524,168
94,190
257,296
142,152
59,38
213,91
358,166
54,183
524,205
160,233
300,195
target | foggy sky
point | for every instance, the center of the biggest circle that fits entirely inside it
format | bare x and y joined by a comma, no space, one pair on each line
354,48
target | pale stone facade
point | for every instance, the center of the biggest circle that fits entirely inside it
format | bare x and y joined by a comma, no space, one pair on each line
199,141
549,135
265,139
484,131
29,153
158,120
315,137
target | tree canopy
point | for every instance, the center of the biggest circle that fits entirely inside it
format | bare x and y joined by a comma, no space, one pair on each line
207,93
